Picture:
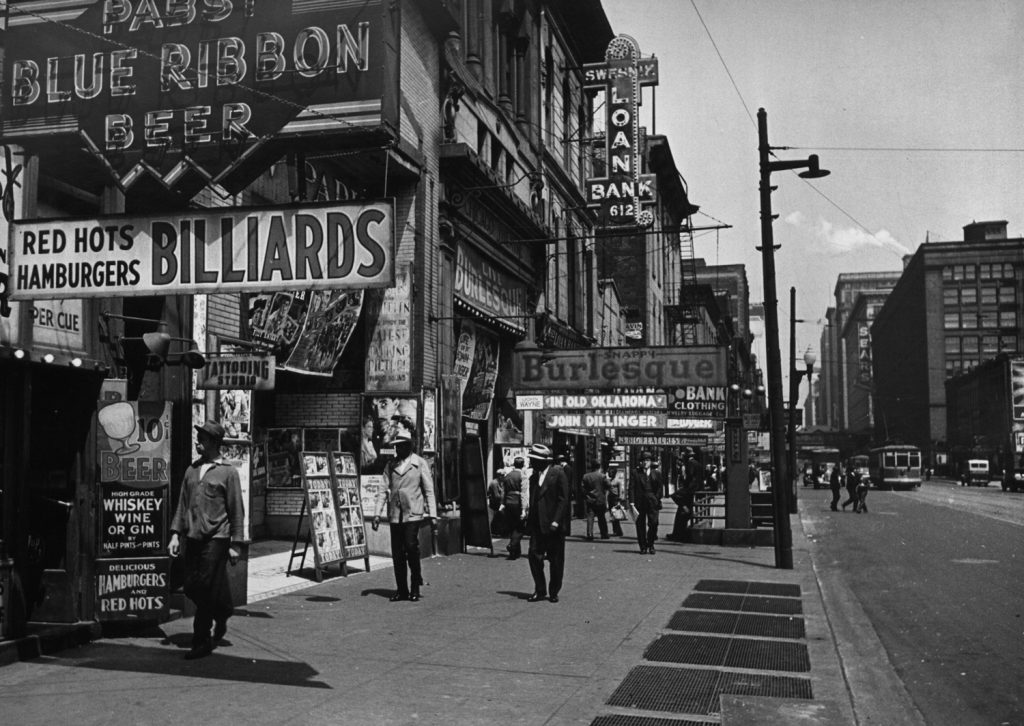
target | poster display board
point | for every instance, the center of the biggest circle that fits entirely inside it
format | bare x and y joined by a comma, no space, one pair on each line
323,521
349,506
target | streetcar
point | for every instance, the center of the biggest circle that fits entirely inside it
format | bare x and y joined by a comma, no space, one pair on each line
896,466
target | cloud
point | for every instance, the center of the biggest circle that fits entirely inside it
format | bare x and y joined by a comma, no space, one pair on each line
842,240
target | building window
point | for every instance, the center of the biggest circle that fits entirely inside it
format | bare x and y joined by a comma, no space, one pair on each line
970,345
969,296
990,344
970,363
1007,271
1008,343
1007,294
989,295
947,273
984,272
952,345
988,319
1008,319
951,296
952,368
970,272
952,321
958,272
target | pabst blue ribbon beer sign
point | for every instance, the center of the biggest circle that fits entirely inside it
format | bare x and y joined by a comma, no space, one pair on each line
169,87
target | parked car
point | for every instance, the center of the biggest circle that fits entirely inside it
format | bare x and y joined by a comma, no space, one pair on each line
1014,481
974,472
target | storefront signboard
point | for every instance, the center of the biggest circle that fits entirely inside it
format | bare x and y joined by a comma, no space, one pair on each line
481,285
622,367
133,589
608,419
309,247
661,440
190,91
237,371
133,520
58,324
698,401
591,401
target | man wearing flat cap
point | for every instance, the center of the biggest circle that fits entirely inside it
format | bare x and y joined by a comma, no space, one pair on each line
210,518
408,501
547,522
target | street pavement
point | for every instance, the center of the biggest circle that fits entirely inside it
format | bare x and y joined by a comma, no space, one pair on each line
621,647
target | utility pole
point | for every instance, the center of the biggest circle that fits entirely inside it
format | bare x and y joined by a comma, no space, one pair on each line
781,483
780,509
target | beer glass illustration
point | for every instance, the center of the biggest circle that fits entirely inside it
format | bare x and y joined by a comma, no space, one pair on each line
118,422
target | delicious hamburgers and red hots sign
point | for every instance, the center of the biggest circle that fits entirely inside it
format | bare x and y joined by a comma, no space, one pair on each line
166,87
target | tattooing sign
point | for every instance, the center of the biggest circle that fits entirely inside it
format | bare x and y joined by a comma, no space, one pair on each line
311,247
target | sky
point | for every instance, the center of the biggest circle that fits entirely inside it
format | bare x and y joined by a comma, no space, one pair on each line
914,106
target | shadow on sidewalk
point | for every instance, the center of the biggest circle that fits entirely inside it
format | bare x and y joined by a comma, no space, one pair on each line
109,656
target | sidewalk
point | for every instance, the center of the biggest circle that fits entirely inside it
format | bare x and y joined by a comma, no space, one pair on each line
636,639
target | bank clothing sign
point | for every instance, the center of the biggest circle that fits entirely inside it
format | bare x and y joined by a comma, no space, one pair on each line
308,247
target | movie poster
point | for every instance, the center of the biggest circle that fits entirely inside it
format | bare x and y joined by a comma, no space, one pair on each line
383,417
476,401
327,326
275,319
429,438
389,344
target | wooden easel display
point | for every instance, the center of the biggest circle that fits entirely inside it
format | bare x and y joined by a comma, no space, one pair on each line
319,499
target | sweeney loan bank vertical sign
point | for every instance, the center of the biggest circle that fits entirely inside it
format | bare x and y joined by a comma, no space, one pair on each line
623,192
191,89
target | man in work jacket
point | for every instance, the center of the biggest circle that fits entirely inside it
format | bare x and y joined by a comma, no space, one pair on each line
408,501
210,515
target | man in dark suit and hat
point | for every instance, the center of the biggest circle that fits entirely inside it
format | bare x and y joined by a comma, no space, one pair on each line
547,521
646,490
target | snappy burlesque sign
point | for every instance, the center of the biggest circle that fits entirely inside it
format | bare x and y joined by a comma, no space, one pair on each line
162,87
302,248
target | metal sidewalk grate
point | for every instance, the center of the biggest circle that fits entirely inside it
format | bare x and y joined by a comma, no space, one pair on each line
707,601
660,688
744,587
627,720
776,605
704,622
691,690
764,626
691,649
768,655
770,626
756,684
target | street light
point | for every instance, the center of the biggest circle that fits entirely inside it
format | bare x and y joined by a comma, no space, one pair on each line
794,392
780,481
